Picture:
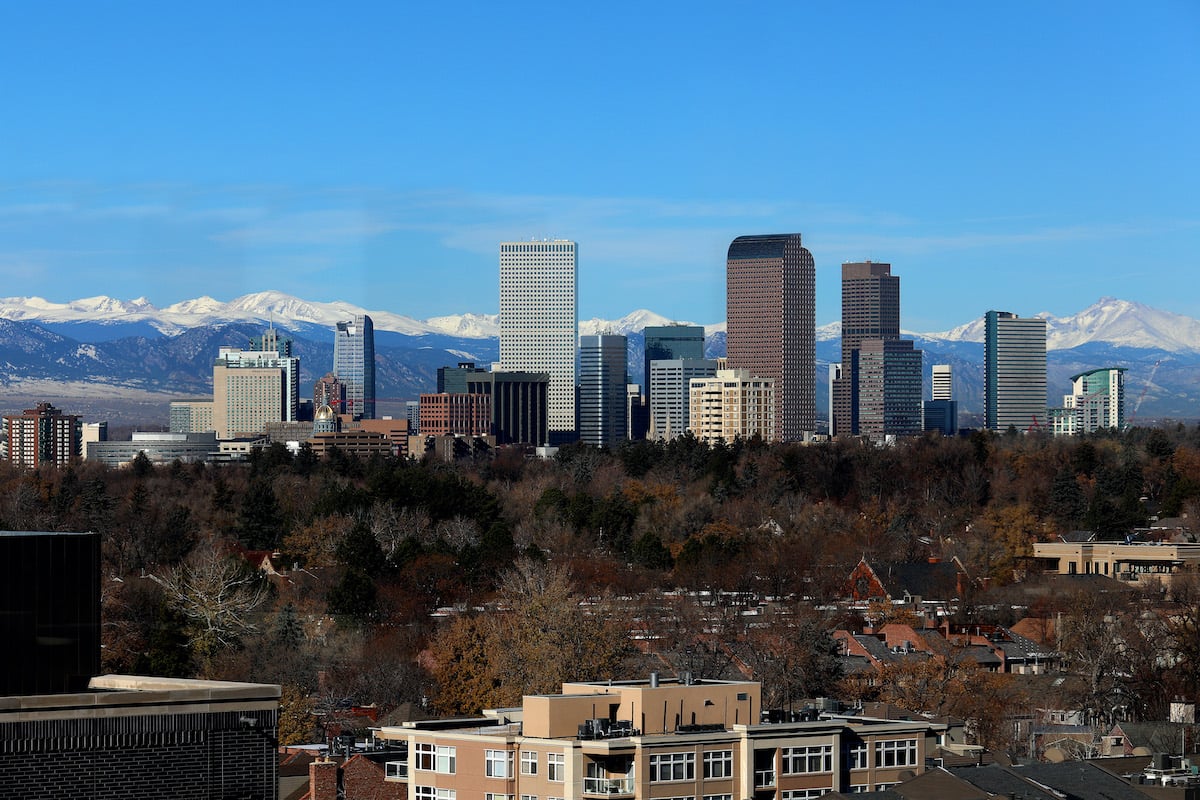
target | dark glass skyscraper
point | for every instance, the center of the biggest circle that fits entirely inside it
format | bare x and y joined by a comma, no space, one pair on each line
870,310
602,359
771,309
669,342
354,365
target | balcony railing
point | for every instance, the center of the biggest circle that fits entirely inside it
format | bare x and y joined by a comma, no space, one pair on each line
608,787
764,778
396,770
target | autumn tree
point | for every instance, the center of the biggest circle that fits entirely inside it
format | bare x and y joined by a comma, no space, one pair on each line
540,638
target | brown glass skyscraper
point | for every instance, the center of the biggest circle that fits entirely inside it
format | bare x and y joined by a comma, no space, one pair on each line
771,311
870,310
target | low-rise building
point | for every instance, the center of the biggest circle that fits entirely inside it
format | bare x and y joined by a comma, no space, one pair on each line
129,736
159,446
1135,562
651,740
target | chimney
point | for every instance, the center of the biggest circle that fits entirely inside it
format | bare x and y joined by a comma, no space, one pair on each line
653,680
323,779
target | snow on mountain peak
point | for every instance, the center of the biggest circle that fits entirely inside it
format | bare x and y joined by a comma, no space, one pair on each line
1120,322
1109,319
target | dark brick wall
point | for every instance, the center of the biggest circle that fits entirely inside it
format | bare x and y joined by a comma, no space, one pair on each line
199,756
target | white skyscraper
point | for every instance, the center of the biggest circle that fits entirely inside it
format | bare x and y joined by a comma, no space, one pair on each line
943,382
539,321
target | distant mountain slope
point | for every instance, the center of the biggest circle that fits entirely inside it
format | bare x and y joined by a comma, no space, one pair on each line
130,346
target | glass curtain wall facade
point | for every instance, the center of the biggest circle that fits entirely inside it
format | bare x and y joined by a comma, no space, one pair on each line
354,365
602,362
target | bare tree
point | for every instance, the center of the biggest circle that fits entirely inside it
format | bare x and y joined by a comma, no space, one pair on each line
216,594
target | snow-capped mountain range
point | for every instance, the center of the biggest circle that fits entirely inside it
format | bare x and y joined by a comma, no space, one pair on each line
1116,322
125,360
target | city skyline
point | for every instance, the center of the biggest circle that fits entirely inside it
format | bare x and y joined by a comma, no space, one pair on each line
317,158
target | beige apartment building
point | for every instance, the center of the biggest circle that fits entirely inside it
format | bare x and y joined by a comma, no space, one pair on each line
732,404
1137,562
652,740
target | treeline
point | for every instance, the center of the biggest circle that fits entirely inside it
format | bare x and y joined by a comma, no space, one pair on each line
370,549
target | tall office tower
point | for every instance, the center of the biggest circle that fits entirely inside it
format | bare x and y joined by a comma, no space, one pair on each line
732,404
602,362
539,322
666,342
1097,400
254,387
943,383
870,310
354,365
412,410
43,435
889,389
670,382
1014,387
771,318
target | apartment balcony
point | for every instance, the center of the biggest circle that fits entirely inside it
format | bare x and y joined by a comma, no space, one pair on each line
608,787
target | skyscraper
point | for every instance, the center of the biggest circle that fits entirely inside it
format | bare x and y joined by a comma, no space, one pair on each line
943,383
539,322
602,409
771,324
1014,389
254,387
941,410
354,365
889,388
664,342
1097,400
670,382
870,310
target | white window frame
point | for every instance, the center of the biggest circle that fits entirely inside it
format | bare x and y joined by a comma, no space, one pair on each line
430,757
718,764
804,794
529,762
807,760
556,767
433,793
672,767
895,753
498,764
856,756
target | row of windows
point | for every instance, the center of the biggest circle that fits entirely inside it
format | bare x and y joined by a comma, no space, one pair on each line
665,767
497,763
668,767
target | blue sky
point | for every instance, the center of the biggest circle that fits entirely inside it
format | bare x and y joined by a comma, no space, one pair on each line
1025,156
